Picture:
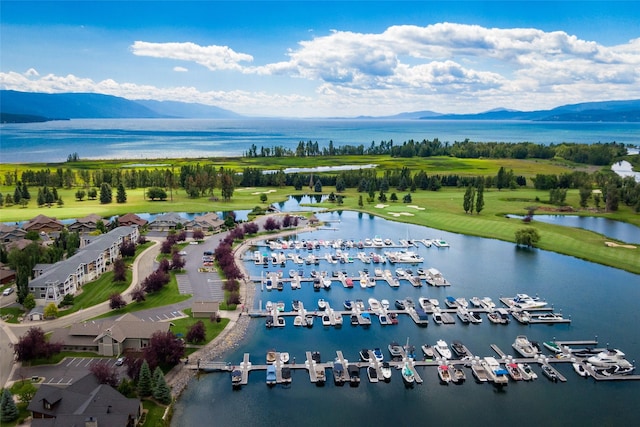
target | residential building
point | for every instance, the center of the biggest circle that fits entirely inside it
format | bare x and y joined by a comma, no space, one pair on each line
87,224
131,219
166,222
43,224
207,222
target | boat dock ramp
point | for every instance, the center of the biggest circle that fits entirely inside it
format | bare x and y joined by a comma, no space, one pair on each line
317,369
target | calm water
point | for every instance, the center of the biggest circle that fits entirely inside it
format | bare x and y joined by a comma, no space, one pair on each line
172,138
601,301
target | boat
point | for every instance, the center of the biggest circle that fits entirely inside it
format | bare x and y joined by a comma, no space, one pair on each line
322,304
475,301
440,243
462,302
285,374
474,317
374,304
269,322
444,374
326,320
364,355
280,306
527,371
408,302
284,357
395,349
384,303
499,315
550,373
384,319
487,303
271,357
407,375
479,372
354,319
523,346
359,305
377,353
521,316
400,304
443,349
385,368
435,278
354,375
280,285
337,319
514,371
497,374
279,322
269,285
460,349
550,317
457,374
299,321
400,272
271,375
338,373
463,315
437,316
364,318
580,370
372,374
526,302
236,379
451,302
348,304
608,358
552,347
428,351
309,320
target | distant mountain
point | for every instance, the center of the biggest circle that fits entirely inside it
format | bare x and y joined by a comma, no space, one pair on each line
21,118
96,106
187,110
606,111
404,116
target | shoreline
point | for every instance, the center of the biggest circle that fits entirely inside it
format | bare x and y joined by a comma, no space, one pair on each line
232,335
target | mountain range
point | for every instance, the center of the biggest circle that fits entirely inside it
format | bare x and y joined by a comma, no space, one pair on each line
25,107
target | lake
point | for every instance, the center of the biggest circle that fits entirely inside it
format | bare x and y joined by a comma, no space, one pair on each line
178,138
601,301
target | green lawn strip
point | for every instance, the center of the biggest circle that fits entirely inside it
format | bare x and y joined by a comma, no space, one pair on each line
181,327
154,415
11,314
166,296
97,292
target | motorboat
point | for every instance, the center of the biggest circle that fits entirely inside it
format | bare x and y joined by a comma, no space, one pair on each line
444,374
364,355
384,303
374,304
425,303
236,379
443,349
271,357
580,370
523,346
400,272
326,320
550,373
354,375
514,371
407,375
521,316
372,374
309,319
475,301
348,305
359,305
552,346
284,357
385,368
400,304
451,302
550,317
460,349
295,305
608,358
479,372
279,322
526,302
437,316
474,317
299,321
527,371
338,373
429,352
377,353
337,319
364,318
322,304
354,319
457,374
462,302
487,303
463,315
408,302
496,373
395,349
285,374
271,375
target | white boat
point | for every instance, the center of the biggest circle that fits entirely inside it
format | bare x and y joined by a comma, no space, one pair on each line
284,357
440,243
526,369
514,371
444,374
443,349
407,374
487,303
526,302
279,322
377,241
437,316
395,349
428,351
374,304
463,315
462,302
475,301
521,316
608,358
384,303
326,320
496,373
474,317
377,353
386,371
580,370
299,321
322,304
523,346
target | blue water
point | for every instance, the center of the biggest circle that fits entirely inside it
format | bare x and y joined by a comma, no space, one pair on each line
173,138
601,301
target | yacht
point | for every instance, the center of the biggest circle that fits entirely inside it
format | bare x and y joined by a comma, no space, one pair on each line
443,349
386,371
608,358
395,349
407,375
525,302
523,346
460,349
428,351
521,316
496,373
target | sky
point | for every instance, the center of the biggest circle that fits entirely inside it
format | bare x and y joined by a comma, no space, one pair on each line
327,58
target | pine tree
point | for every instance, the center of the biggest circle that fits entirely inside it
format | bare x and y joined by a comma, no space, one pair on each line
161,391
467,203
121,196
144,380
8,407
480,198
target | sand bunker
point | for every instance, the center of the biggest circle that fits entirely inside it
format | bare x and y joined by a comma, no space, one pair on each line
415,207
398,214
380,206
263,192
617,245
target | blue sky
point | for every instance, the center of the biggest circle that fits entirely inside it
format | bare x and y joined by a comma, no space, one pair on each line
323,58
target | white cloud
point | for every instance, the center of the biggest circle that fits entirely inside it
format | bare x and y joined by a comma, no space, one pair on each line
31,72
180,69
213,57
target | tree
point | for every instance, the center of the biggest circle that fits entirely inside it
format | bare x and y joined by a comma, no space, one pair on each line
360,202
177,261
585,194
34,345
263,198
121,195
156,193
317,187
197,332
116,301
226,185
145,386
527,237
50,311
596,200
467,203
407,198
138,294
164,349
611,197
161,391
80,194
480,198
105,372
29,302
92,193
119,270
8,407
106,194
393,197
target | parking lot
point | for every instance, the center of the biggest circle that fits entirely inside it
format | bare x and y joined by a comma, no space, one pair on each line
70,369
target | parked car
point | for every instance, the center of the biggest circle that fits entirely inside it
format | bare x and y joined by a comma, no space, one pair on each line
119,361
7,291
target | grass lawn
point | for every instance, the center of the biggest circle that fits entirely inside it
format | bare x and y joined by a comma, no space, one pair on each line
11,314
181,327
154,415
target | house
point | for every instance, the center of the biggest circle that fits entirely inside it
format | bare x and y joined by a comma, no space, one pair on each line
109,337
206,222
131,219
52,282
85,403
43,224
166,222
205,309
87,224
36,313
11,233
6,275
